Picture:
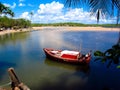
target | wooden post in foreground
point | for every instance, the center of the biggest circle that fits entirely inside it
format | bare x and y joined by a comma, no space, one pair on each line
15,82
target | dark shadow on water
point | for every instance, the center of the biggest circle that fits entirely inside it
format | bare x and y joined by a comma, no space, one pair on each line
85,68
60,85
4,66
66,81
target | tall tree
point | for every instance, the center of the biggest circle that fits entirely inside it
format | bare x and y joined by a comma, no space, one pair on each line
5,10
31,14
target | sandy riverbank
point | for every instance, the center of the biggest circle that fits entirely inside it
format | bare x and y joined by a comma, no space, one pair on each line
79,28
62,28
16,31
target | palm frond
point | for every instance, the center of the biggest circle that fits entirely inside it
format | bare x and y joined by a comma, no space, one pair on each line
5,10
98,8
74,3
116,3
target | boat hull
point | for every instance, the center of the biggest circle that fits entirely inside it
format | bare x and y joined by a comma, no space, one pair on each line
65,60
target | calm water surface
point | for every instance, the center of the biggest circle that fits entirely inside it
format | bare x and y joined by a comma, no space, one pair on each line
24,52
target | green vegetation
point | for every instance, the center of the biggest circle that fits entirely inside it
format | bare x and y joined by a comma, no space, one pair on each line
74,24
58,24
111,55
5,10
8,23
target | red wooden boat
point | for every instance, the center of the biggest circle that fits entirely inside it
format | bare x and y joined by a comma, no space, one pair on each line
73,57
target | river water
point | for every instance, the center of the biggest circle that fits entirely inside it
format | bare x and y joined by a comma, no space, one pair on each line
24,52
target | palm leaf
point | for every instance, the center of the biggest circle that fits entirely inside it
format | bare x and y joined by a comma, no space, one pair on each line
98,53
6,10
118,66
98,8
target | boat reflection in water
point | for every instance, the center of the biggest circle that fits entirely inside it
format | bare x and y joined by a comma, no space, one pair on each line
82,68
75,77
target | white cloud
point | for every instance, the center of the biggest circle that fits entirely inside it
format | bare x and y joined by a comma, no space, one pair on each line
14,5
11,6
50,8
25,15
55,12
21,4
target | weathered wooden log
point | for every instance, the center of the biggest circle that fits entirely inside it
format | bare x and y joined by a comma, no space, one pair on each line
15,82
2,89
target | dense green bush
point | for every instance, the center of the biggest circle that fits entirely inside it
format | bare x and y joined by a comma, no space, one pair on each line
10,23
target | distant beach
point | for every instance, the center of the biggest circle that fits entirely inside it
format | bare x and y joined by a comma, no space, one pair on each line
79,28
62,29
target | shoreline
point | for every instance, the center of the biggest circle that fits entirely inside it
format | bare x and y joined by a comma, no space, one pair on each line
62,28
69,28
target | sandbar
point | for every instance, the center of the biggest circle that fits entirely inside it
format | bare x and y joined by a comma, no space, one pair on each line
63,28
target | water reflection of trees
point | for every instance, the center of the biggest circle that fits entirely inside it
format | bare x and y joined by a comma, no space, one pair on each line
13,37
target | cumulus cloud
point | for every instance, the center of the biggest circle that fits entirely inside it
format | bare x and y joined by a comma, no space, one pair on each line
25,15
55,12
50,8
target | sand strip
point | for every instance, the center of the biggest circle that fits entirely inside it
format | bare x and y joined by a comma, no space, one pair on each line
79,28
62,28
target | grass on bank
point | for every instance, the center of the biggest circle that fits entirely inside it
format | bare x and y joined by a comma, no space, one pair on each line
74,24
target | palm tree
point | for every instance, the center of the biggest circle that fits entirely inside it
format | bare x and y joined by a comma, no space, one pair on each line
31,14
5,10
99,8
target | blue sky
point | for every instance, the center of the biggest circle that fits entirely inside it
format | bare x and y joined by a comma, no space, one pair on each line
50,11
